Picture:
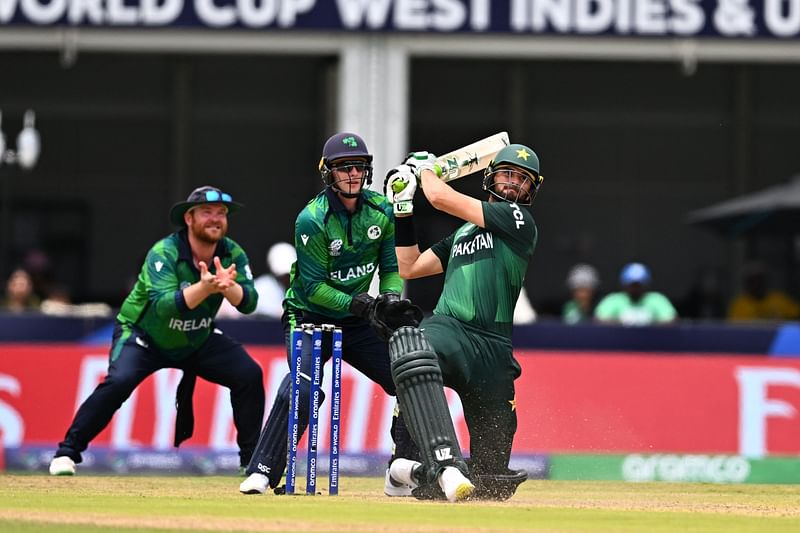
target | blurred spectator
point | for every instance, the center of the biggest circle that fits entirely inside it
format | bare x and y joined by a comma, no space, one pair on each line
705,300
757,301
582,281
59,303
271,287
40,268
635,305
524,313
19,295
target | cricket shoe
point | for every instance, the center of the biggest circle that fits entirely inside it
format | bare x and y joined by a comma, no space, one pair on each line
394,488
62,466
400,477
254,484
455,485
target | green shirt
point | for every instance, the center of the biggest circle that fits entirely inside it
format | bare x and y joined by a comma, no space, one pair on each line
156,304
339,252
485,267
653,307
572,313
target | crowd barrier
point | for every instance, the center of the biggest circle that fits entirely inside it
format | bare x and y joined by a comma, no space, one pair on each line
686,402
682,337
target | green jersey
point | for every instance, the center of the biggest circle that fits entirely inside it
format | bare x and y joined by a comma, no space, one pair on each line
485,267
156,305
652,308
339,252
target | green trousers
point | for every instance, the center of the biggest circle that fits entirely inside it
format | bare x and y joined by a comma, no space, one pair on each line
481,368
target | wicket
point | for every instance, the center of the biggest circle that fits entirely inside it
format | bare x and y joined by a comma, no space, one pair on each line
315,332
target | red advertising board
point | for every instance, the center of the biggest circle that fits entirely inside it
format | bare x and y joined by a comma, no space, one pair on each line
566,402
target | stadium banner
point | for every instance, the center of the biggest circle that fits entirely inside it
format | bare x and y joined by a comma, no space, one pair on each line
567,402
686,468
741,19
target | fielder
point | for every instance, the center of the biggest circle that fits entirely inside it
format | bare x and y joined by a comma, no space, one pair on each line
342,237
167,321
466,343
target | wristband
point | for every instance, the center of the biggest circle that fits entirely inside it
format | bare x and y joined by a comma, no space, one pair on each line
404,232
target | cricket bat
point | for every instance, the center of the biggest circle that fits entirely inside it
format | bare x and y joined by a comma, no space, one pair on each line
471,158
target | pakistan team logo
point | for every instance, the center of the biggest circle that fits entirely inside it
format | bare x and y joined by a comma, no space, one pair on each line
374,232
335,248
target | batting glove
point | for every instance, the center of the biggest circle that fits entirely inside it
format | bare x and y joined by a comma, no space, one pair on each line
420,161
401,184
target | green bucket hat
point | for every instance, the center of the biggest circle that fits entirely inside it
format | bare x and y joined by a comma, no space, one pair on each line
202,195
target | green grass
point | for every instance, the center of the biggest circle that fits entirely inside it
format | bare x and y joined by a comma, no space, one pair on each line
126,504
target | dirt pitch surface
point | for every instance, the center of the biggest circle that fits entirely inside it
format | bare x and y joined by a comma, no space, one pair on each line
162,504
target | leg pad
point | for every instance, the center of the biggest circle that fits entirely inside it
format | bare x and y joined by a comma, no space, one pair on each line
420,392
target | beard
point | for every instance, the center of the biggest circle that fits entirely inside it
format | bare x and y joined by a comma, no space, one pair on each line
209,233
514,193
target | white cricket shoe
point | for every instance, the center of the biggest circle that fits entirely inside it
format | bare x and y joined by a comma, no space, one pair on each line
401,472
393,488
254,484
62,466
455,486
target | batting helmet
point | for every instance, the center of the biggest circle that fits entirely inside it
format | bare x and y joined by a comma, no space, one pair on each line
517,156
341,147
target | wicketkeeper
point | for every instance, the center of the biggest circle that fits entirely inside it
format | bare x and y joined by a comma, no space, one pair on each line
343,237
466,343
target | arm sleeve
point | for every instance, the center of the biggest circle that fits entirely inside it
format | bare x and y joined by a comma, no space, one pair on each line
312,263
390,280
442,250
244,277
161,280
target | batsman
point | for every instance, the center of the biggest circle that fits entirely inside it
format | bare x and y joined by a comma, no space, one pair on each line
466,343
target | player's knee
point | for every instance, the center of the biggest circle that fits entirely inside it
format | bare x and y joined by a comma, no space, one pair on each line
121,384
412,355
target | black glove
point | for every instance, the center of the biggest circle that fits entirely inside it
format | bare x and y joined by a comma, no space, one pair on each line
362,305
390,313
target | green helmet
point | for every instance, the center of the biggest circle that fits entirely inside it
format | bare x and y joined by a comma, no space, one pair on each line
521,157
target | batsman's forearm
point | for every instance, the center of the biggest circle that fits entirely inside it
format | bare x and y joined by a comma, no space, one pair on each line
406,258
434,189
448,200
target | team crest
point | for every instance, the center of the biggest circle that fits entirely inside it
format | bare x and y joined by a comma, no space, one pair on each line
374,232
335,248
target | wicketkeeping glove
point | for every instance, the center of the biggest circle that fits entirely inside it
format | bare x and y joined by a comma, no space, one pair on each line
391,312
420,161
401,184
362,305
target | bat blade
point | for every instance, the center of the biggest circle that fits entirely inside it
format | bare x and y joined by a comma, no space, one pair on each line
471,158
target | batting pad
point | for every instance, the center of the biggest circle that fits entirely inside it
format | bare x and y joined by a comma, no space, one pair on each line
420,392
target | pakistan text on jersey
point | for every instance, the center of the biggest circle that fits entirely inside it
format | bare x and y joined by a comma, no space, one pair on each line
189,325
353,272
481,241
